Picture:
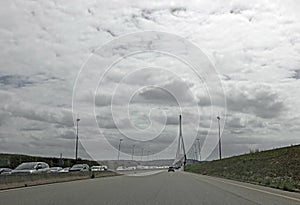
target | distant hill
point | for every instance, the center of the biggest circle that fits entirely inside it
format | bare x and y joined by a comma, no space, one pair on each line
278,168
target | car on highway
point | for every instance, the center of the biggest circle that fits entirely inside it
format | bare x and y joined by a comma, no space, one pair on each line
79,167
54,169
97,168
66,169
171,169
177,166
5,170
31,167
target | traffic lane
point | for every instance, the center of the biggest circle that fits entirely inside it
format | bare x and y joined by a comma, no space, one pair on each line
256,193
161,188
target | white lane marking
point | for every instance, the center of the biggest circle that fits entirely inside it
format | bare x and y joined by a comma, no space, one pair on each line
259,190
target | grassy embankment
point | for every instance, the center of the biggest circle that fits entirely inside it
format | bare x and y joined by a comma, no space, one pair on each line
277,168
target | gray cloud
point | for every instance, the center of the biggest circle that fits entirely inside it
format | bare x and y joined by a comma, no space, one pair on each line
15,81
296,74
258,99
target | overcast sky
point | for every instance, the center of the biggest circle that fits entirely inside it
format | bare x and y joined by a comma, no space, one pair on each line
251,57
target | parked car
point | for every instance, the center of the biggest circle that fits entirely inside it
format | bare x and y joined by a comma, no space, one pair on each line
5,170
177,166
54,169
80,167
104,167
31,167
98,168
171,169
65,169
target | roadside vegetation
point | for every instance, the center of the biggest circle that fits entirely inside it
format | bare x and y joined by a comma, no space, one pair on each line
13,160
277,168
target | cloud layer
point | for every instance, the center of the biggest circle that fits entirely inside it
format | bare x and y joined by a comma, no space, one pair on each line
254,46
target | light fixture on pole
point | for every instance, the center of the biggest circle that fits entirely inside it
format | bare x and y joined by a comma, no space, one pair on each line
76,146
119,149
220,146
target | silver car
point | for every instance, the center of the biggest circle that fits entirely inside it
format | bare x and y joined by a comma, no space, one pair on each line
79,167
31,167
54,169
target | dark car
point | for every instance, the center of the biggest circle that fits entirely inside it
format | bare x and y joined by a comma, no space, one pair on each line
79,167
171,169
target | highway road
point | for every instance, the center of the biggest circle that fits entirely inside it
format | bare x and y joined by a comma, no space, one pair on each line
160,188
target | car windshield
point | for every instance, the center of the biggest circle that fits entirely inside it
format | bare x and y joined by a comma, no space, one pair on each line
26,166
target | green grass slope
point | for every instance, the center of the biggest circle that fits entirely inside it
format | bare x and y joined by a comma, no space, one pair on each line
278,168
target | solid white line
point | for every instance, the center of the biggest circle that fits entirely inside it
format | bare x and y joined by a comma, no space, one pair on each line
259,190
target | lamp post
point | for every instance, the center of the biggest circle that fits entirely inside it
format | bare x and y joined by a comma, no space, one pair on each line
142,154
199,148
132,153
76,147
220,147
195,150
119,149
148,155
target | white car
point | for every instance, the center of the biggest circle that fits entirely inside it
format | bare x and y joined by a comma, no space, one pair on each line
80,167
65,170
31,167
54,169
98,168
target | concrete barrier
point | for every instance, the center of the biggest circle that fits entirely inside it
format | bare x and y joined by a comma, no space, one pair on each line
24,179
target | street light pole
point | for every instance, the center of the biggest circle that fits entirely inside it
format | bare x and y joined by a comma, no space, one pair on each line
142,154
76,147
199,148
119,149
220,147
195,150
132,153
148,155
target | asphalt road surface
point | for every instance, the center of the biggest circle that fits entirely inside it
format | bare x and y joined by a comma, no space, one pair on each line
161,188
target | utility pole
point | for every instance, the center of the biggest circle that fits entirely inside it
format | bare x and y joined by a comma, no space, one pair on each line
199,148
76,147
220,147
119,149
132,153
